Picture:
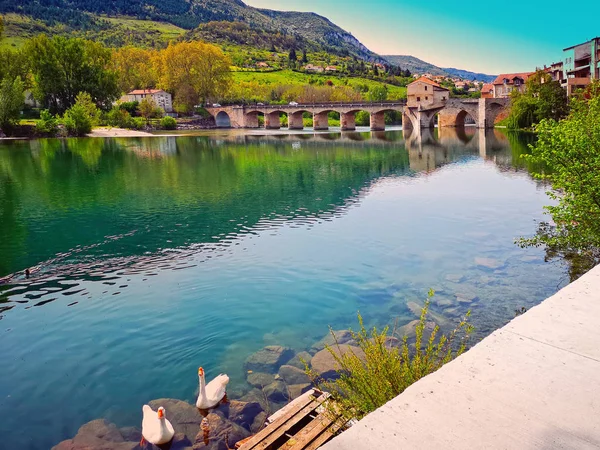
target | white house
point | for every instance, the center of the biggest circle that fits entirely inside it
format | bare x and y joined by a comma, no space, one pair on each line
160,97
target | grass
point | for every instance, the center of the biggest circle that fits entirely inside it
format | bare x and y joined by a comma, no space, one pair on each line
289,77
384,366
166,31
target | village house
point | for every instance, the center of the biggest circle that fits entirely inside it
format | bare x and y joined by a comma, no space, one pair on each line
426,93
312,68
487,91
461,85
262,65
160,97
331,69
506,83
580,66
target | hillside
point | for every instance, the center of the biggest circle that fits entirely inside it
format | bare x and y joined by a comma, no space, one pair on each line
417,65
92,16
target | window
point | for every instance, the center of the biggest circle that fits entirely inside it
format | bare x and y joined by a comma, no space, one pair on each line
418,99
443,98
425,87
426,98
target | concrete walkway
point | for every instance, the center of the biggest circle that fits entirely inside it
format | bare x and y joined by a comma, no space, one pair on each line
533,384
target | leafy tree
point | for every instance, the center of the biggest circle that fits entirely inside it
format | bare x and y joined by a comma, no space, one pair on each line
378,94
203,67
1,27
168,123
80,118
148,109
136,68
292,56
542,99
64,67
570,148
12,100
304,57
13,63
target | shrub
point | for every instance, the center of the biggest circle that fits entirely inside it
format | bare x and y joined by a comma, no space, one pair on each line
80,118
47,125
11,101
118,117
367,382
138,123
130,107
168,123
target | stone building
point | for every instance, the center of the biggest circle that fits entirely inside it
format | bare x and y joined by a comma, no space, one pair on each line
161,98
505,83
426,93
487,91
580,66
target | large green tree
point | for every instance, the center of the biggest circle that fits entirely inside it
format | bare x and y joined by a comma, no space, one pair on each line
64,67
11,103
570,149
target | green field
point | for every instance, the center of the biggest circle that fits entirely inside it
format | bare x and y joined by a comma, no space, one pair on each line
165,31
268,80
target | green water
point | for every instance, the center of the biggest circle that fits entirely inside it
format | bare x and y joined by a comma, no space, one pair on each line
152,256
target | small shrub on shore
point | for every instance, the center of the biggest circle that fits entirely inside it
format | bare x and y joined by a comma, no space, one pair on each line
168,123
386,365
47,125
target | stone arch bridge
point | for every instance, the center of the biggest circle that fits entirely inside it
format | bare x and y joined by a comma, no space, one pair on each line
450,113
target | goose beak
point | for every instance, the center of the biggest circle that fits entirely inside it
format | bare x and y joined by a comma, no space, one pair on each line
161,413
200,372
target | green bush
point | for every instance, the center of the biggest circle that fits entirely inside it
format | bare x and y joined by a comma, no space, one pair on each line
386,365
80,118
130,107
47,125
119,117
138,123
168,123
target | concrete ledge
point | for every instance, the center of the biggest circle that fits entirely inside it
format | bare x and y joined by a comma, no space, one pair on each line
533,384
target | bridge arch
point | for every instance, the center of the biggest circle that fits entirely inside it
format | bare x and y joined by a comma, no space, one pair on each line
223,120
464,118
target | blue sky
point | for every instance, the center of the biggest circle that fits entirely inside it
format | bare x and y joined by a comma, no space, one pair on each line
490,37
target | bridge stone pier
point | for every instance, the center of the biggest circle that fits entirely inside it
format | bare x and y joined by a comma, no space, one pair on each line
453,112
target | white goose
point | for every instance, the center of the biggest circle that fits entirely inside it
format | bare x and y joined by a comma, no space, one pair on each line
156,429
212,393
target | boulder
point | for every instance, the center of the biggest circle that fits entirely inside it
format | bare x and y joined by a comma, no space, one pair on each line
221,434
341,336
244,413
296,361
325,364
260,379
415,308
184,417
268,359
455,277
296,390
293,375
277,392
256,396
98,434
488,263
410,329
465,297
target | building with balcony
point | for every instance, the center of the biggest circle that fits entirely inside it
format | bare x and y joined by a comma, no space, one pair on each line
581,65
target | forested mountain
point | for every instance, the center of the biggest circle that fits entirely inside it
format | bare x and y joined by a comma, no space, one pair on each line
417,65
89,15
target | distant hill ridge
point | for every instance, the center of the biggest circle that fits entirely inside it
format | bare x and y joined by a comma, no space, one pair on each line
417,65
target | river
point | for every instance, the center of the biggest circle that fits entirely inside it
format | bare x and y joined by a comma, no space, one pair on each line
153,256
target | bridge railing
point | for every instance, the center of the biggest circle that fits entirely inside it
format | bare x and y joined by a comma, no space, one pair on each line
316,105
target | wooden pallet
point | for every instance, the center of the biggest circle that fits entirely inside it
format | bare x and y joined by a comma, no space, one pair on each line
302,425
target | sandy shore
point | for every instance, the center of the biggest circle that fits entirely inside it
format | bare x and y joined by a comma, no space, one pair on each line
117,132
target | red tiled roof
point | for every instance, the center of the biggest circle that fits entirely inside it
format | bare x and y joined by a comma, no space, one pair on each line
144,91
487,88
428,81
511,76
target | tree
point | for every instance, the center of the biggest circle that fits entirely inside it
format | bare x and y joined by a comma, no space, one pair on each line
292,56
203,67
570,149
1,27
136,68
13,63
378,94
543,99
304,57
64,67
12,100
80,118
148,109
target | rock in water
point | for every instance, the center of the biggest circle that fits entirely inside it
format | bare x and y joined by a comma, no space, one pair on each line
293,375
325,364
268,359
277,391
296,390
296,361
489,263
464,297
222,434
245,414
342,337
260,379
97,434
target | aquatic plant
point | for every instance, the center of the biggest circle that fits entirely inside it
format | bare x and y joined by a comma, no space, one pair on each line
382,367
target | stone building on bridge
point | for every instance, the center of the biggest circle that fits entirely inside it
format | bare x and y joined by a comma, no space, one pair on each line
426,93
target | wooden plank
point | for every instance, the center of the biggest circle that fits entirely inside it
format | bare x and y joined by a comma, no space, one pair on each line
310,432
280,426
326,435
